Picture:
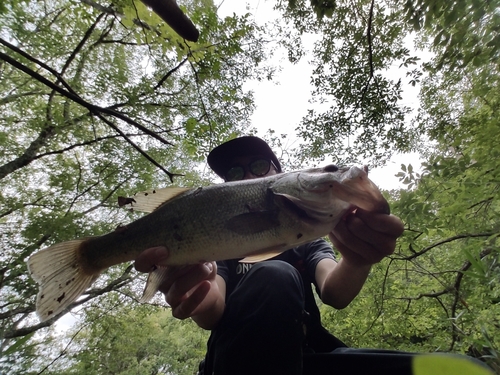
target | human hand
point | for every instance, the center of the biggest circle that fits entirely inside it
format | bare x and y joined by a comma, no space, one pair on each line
185,287
365,238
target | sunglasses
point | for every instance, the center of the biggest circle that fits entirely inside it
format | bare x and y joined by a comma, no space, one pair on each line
259,168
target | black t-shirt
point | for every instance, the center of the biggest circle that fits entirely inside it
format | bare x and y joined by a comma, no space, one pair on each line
304,258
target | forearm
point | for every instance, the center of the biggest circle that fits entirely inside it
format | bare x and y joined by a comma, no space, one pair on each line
343,283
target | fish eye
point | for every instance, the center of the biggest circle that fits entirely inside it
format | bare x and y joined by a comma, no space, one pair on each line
331,168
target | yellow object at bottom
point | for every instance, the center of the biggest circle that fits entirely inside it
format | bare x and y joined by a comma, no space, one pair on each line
444,364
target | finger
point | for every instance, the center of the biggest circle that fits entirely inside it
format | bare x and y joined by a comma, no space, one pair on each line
389,224
360,236
188,306
150,258
214,270
355,256
363,245
345,238
380,241
345,251
187,281
172,275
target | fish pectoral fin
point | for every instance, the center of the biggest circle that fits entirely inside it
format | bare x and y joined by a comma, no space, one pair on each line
150,200
288,197
155,279
265,254
253,222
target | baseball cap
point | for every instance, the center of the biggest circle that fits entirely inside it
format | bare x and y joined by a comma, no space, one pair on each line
221,157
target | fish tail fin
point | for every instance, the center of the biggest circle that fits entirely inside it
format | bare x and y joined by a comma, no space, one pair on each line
155,279
59,274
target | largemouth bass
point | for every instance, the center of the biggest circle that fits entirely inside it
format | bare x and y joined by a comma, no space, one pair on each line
256,219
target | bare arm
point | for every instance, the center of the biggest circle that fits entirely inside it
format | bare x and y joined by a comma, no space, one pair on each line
340,282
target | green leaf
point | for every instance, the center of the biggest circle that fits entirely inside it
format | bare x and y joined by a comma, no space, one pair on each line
191,124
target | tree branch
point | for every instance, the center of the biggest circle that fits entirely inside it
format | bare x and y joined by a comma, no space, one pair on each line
430,295
13,97
29,154
46,133
169,73
370,50
447,240
34,60
76,98
141,151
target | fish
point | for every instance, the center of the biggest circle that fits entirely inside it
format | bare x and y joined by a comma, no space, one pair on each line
251,219
170,12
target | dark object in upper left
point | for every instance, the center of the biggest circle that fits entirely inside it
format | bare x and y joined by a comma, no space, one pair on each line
170,12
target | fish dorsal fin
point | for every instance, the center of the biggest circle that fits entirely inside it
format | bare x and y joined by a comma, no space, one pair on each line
150,200
261,257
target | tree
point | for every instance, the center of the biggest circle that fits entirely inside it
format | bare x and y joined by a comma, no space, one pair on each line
111,343
357,110
364,58
97,101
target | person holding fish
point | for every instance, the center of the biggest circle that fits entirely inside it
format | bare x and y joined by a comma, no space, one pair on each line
240,259
262,312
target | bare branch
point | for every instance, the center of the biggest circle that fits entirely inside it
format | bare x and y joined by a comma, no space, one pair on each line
169,73
29,154
101,8
86,143
48,132
430,295
80,45
74,97
370,50
141,151
13,97
27,56
63,352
